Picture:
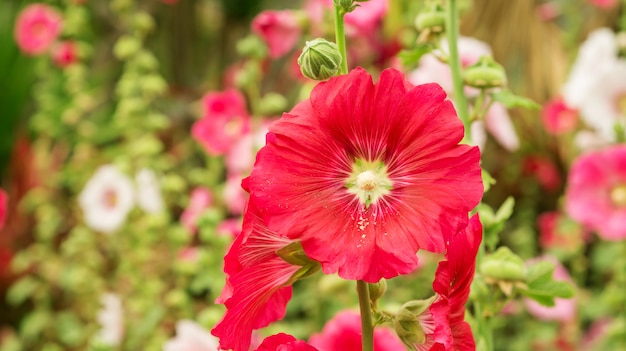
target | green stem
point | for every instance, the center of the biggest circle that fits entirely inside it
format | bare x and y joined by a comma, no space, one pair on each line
452,31
340,38
367,328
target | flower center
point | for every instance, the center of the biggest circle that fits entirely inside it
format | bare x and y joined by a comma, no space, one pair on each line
109,198
618,195
368,181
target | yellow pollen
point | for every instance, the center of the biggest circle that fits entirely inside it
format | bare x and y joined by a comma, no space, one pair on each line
618,195
367,181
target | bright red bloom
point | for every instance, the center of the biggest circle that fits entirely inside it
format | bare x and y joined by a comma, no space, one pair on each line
279,30
343,333
225,120
257,290
3,207
444,323
366,174
36,28
558,117
596,192
284,342
64,53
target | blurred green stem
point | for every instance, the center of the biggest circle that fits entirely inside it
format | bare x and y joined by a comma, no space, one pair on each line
367,328
452,31
340,38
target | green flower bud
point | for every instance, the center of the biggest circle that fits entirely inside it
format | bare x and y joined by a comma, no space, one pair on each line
126,47
485,74
320,59
503,265
407,324
433,19
252,46
377,290
345,5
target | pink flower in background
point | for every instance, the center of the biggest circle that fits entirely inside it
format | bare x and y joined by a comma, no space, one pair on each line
234,196
284,342
366,18
596,192
444,323
111,319
190,336
558,117
64,53
36,28
366,174
148,195
544,171
279,29
257,286
229,227
564,310
189,254
604,4
557,232
343,333
3,208
170,2
199,201
107,199
225,120
240,157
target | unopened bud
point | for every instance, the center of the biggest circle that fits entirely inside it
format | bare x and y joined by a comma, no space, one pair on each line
484,74
377,290
320,59
407,324
433,18
503,265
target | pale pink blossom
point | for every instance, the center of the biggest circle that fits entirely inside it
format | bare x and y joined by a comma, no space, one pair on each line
230,227
107,199
64,53
366,18
604,4
189,254
279,29
234,196
564,310
499,125
240,157
111,319
36,28
200,200
596,192
191,337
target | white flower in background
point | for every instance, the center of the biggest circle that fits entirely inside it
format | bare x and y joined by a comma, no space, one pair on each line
111,318
106,199
597,88
149,196
497,121
191,337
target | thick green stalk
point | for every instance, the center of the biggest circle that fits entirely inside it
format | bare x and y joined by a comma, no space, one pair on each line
367,328
452,31
340,38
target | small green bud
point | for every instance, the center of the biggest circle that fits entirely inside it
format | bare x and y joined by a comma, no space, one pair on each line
503,265
407,324
252,46
345,5
320,59
433,19
377,290
485,74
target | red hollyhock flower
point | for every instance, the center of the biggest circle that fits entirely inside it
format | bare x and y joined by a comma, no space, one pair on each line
444,323
225,120
279,29
366,174
258,285
3,207
284,342
64,53
343,333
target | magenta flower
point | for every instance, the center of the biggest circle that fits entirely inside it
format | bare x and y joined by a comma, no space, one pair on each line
343,332
258,283
596,192
36,28
366,174
558,117
279,29
225,120
3,208
284,342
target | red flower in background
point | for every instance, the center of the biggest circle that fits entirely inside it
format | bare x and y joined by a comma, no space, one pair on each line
64,53
284,342
199,201
225,120
279,29
36,28
343,333
3,208
257,285
558,117
366,174
596,192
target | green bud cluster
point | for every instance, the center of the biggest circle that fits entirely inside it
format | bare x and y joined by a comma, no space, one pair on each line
433,19
485,74
320,59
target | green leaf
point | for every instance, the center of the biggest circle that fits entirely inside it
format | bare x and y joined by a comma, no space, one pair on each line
510,100
494,222
410,58
22,290
542,287
488,180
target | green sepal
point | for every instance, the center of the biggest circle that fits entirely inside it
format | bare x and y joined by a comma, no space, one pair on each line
503,265
510,100
542,287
